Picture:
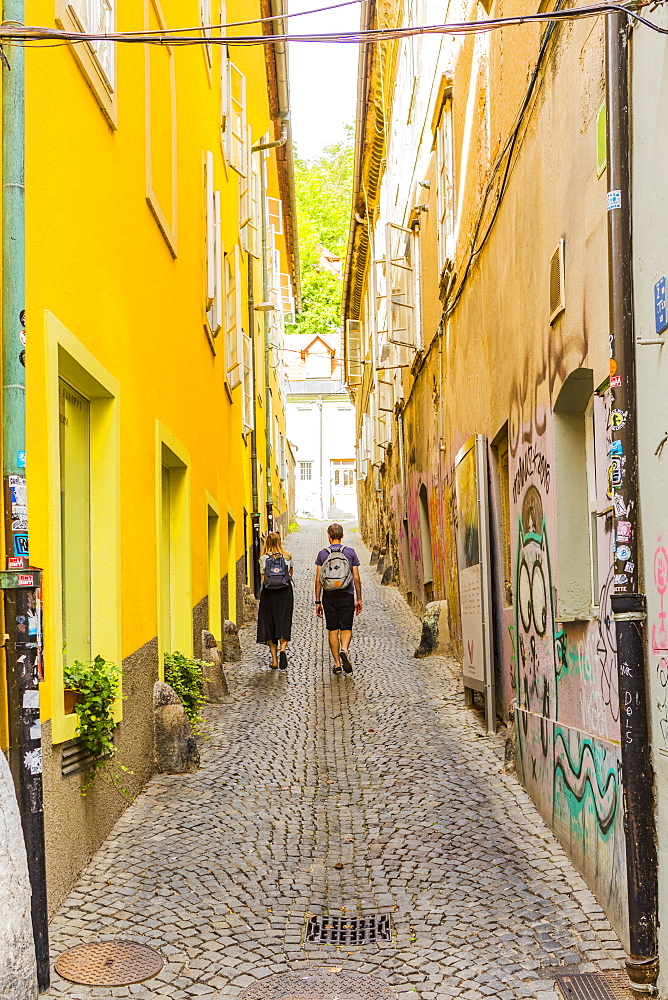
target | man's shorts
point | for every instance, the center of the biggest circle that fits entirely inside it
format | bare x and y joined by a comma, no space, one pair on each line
339,610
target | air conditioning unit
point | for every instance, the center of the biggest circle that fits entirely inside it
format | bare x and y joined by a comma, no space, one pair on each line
557,281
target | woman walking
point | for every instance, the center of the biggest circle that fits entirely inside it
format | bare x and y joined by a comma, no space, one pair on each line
274,620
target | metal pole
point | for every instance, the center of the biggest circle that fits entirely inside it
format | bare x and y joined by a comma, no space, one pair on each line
255,515
267,389
628,603
21,641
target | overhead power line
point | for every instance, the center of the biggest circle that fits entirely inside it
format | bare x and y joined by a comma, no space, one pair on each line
10,31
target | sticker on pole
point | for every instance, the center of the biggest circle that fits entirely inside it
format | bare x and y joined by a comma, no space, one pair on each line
26,580
31,699
614,200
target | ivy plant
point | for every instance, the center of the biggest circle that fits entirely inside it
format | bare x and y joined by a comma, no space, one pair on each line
98,682
186,676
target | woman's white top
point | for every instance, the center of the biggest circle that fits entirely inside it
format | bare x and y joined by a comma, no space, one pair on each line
263,562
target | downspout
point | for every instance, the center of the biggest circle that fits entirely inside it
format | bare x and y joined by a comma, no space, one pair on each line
628,603
21,641
255,515
273,145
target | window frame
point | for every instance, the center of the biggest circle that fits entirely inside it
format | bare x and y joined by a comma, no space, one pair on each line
101,80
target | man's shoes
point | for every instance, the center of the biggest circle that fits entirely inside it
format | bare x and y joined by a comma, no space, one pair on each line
336,670
283,660
345,661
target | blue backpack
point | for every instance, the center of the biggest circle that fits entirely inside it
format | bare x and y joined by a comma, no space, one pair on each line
276,572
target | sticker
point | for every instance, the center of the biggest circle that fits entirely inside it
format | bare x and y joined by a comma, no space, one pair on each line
616,472
623,529
614,199
31,699
22,337
660,314
26,580
21,545
615,381
624,552
14,562
621,578
613,366
621,507
22,358
19,524
36,731
21,459
630,567
33,760
618,419
616,448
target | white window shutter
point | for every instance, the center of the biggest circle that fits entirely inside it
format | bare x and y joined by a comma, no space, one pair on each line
399,286
210,231
275,214
79,11
240,328
249,408
353,356
386,397
217,308
225,110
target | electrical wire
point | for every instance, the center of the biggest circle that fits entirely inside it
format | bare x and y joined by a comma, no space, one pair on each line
173,37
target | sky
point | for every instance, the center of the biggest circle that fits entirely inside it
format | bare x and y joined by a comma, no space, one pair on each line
323,78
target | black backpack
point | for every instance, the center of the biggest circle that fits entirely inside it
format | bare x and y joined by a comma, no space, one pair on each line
276,572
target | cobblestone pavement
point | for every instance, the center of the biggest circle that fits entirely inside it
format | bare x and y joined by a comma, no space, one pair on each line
331,794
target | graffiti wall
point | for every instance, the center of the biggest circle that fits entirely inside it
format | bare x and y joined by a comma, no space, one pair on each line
567,711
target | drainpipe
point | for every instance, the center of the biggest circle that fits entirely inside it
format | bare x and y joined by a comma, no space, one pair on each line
278,142
21,640
628,603
322,470
255,515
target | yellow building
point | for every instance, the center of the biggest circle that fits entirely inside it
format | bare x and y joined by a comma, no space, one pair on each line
161,259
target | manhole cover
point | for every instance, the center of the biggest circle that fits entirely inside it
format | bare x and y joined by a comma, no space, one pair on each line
348,930
109,963
589,986
319,984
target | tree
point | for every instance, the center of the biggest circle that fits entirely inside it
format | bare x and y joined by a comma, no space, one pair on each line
323,187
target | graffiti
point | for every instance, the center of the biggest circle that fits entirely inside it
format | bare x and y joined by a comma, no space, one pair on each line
659,643
532,463
583,777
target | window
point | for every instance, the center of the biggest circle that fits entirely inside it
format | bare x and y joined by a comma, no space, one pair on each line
249,409
305,471
214,297
75,528
234,333
402,286
206,20
336,477
287,299
445,191
318,361
231,569
275,215
97,59
233,87
249,202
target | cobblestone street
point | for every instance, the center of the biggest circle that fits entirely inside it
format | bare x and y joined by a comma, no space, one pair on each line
376,793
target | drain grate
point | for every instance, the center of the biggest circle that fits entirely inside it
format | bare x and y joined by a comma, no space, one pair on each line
319,984
109,963
589,986
348,930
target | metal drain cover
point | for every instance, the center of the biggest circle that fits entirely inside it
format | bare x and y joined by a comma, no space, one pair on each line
348,930
109,963
319,984
589,986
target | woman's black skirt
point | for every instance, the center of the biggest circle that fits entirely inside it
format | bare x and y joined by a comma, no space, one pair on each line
274,619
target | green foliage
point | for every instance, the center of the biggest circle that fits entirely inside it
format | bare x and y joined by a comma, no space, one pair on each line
98,683
293,526
186,676
323,188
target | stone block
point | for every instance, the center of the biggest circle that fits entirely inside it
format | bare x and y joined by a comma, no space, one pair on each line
388,575
18,973
435,636
175,747
251,605
231,644
374,555
215,682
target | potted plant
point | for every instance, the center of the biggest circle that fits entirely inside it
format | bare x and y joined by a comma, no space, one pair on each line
96,686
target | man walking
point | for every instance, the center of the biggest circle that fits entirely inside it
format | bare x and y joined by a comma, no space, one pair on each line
338,583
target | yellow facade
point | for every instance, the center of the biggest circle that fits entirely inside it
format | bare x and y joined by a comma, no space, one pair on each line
134,257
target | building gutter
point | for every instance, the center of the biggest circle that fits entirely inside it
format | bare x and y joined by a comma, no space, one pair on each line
360,131
20,589
629,604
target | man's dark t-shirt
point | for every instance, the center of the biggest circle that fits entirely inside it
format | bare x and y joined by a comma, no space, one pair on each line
350,555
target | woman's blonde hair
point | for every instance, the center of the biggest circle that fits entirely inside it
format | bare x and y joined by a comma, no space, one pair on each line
273,545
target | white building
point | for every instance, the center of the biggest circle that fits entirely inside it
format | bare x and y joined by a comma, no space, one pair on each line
321,426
